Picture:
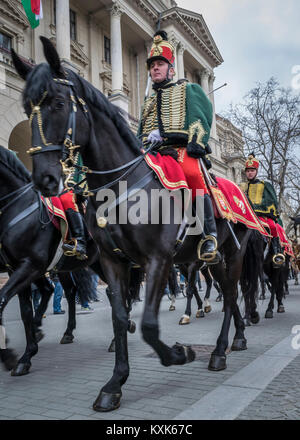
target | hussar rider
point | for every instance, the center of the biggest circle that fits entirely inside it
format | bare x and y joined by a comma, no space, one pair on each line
178,115
264,201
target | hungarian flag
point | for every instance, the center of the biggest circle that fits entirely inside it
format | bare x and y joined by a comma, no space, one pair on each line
34,11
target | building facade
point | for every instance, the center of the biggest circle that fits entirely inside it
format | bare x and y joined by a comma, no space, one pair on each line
107,43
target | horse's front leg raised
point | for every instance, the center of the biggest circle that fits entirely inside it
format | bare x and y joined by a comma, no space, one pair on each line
117,276
157,272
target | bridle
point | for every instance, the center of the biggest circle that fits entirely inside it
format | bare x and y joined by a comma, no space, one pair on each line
67,148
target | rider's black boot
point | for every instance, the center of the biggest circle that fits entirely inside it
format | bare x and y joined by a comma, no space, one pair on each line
77,245
278,257
208,247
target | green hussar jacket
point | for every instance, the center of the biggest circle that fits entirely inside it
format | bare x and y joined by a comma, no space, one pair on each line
263,198
182,113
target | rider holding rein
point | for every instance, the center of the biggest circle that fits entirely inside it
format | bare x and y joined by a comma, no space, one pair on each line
264,201
178,117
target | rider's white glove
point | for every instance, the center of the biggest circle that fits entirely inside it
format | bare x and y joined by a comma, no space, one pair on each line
154,136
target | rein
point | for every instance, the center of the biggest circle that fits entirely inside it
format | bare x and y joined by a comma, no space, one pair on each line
69,167
20,192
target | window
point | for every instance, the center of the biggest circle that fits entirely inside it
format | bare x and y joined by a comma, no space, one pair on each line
73,33
73,28
107,57
5,42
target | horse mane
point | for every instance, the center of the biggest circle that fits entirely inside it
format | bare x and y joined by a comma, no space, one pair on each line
10,160
40,80
98,100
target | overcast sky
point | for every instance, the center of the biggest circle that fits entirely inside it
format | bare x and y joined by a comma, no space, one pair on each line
256,38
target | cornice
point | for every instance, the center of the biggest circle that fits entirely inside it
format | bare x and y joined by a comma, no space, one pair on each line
10,9
182,16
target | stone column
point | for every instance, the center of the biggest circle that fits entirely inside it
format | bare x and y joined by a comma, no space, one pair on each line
63,29
204,80
174,42
94,53
116,49
211,80
117,95
180,66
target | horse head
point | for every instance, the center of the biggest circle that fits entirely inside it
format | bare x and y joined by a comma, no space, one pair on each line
56,116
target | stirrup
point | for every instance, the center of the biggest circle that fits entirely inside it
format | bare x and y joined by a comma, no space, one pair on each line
73,252
210,256
280,263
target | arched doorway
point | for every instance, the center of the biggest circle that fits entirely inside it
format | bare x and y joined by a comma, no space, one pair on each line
20,142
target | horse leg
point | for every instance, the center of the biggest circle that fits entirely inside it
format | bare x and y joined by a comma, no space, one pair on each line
69,287
239,341
24,363
228,280
269,311
19,280
208,280
280,292
173,288
117,276
157,273
46,289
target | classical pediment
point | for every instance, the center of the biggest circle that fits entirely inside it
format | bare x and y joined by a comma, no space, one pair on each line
194,24
11,9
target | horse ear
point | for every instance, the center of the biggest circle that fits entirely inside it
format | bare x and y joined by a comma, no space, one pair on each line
51,56
22,68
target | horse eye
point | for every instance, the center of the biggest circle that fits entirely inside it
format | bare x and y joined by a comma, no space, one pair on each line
59,104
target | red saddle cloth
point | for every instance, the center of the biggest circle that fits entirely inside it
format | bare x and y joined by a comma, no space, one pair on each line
168,171
229,200
57,212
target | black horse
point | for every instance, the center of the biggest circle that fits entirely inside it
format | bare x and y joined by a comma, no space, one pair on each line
57,100
190,271
29,241
258,260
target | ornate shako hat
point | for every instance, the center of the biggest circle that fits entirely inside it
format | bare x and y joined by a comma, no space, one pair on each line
252,162
161,49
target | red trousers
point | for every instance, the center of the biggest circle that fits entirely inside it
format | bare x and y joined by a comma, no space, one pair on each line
68,201
192,170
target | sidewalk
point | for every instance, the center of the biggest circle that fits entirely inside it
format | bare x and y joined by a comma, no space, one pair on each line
65,379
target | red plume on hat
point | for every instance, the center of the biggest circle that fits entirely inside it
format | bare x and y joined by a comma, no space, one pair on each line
161,49
252,162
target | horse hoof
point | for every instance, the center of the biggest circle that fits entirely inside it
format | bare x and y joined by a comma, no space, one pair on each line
280,309
112,347
67,339
239,344
200,314
218,299
107,402
255,318
131,326
207,309
39,335
21,369
185,319
171,308
184,354
247,322
217,362
9,358
269,314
